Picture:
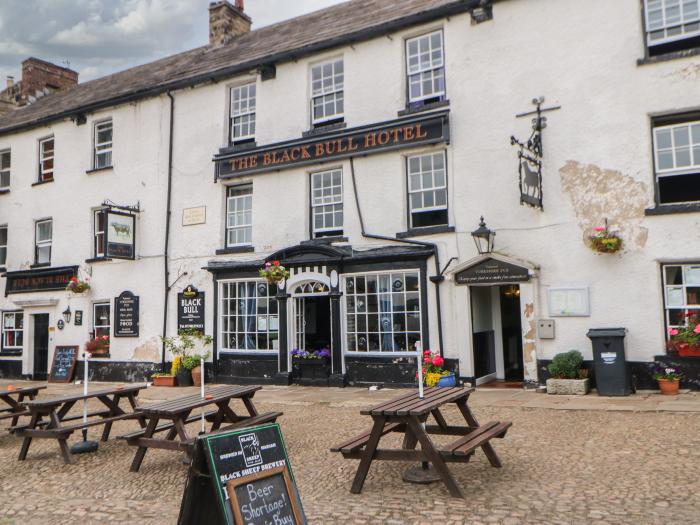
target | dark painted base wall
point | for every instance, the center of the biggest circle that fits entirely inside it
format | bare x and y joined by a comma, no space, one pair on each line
10,369
247,369
400,371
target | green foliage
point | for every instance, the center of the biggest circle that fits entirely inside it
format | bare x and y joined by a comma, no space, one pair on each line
192,361
188,349
566,365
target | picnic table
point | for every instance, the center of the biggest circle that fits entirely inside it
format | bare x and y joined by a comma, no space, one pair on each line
16,410
408,414
56,410
177,413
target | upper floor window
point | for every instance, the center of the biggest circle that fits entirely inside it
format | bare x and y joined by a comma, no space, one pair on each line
668,22
102,155
327,98
3,246
243,113
12,330
677,160
327,203
46,154
5,161
43,237
239,215
427,190
425,67
100,229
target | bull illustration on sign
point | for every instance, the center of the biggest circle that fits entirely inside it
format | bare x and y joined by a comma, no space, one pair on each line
122,229
530,157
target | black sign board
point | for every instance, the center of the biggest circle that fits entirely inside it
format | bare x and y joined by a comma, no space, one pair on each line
63,365
190,309
126,315
377,138
492,271
39,280
120,235
248,468
78,318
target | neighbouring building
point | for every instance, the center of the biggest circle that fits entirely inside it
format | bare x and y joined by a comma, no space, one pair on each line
39,78
360,145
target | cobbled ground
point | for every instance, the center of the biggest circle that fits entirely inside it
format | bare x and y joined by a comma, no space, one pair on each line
559,467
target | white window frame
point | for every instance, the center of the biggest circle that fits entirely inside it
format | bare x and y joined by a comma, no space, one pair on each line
242,114
223,313
102,327
331,92
232,217
46,174
320,204
682,288
102,148
692,149
435,188
99,237
685,25
5,172
3,247
5,330
42,243
344,313
433,71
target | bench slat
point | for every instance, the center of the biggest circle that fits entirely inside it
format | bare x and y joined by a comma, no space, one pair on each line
361,440
268,417
475,439
166,426
14,414
81,425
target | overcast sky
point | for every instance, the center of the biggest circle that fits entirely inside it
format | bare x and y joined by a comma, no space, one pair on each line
97,37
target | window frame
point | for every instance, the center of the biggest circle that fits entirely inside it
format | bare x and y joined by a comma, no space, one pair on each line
334,91
47,175
227,228
665,288
3,263
250,137
42,244
6,171
99,212
326,232
95,326
423,100
96,151
668,41
12,349
409,210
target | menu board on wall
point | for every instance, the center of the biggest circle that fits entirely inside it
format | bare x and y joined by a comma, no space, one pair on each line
126,315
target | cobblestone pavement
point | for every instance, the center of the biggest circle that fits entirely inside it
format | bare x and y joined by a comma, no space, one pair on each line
590,466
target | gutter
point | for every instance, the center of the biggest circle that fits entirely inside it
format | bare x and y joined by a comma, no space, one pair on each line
166,248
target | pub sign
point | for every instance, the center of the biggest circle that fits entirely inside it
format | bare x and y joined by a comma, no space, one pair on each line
492,271
121,235
39,280
126,315
190,309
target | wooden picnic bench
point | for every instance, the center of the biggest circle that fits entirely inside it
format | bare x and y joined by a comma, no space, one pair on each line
408,414
15,409
56,411
178,412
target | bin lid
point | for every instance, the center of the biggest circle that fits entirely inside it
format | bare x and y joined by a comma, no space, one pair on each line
606,332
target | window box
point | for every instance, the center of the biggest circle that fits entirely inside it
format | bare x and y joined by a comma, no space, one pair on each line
311,372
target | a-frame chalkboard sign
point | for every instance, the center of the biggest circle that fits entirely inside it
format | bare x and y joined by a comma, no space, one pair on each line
241,477
63,365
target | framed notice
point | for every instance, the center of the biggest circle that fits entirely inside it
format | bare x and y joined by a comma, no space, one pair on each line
569,302
193,216
121,235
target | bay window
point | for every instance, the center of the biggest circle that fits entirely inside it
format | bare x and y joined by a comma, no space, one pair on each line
248,316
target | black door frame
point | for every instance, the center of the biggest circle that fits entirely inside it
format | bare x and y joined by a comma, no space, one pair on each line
40,361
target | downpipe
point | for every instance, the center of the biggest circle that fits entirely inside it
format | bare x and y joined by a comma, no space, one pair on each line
166,248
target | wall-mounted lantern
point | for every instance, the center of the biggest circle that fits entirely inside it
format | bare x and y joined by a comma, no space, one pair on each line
483,238
67,314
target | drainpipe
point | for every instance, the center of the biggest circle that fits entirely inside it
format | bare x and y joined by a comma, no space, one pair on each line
435,279
166,248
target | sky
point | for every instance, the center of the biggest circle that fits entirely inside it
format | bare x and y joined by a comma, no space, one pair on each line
98,37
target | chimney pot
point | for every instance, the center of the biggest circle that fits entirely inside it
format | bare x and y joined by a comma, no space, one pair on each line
226,22
10,81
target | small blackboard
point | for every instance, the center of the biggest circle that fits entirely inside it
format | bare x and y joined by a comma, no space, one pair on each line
63,366
126,315
227,466
190,309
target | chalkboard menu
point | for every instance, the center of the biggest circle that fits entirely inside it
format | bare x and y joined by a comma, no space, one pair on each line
190,309
126,315
241,477
63,366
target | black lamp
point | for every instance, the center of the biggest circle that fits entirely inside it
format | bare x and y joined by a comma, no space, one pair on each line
483,238
67,314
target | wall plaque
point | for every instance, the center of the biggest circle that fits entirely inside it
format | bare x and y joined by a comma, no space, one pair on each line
78,318
39,280
568,301
492,271
192,216
126,315
190,309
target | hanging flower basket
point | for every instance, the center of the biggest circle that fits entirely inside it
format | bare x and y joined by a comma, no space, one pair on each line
274,272
604,240
77,286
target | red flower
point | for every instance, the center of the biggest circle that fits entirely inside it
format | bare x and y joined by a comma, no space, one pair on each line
104,337
438,361
426,360
426,353
74,279
276,263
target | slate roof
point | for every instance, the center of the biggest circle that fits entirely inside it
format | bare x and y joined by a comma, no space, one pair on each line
341,24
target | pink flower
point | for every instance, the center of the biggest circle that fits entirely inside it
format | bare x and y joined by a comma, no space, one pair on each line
697,329
104,337
438,361
673,331
268,264
600,229
426,360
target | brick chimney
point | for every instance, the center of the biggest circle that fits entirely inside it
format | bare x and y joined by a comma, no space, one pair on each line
227,22
39,76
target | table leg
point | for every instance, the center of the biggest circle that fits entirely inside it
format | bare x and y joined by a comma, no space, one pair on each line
368,455
434,457
141,452
439,419
135,408
18,408
182,434
62,441
27,439
225,413
248,402
471,420
114,410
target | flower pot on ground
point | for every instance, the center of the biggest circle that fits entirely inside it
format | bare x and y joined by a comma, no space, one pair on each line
669,379
192,363
197,376
311,368
567,376
188,347
447,380
434,373
163,380
184,377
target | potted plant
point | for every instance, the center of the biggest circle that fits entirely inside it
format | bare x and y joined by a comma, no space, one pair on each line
98,346
669,379
193,364
274,272
433,372
161,379
605,240
685,340
78,286
311,368
567,375
187,347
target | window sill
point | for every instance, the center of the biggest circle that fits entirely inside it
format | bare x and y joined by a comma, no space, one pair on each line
40,265
668,209
10,353
426,107
323,129
97,259
99,356
98,170
665,57
235,249
40,182
428,230
241,146
4,190
325,240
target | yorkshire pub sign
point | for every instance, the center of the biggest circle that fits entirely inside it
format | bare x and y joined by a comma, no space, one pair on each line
364,140
492,271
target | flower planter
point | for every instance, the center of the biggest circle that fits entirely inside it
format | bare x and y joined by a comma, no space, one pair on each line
447,381
569,387
687,350
197,376
164,381
184,377
669,387
311,372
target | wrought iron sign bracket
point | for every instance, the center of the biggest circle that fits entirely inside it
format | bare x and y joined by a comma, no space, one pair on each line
530,155
129,209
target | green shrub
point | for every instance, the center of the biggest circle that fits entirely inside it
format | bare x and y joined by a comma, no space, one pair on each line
566,365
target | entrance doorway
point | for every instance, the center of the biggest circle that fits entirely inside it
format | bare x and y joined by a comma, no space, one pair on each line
497,333
313,322
41,346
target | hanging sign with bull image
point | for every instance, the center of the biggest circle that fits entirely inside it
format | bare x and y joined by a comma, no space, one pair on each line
530,157
120,235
